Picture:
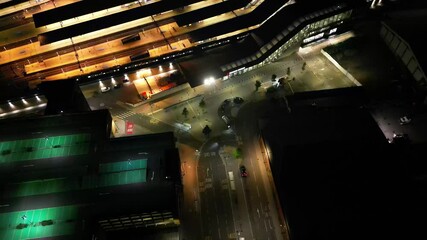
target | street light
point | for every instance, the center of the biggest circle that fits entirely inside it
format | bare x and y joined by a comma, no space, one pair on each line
209,81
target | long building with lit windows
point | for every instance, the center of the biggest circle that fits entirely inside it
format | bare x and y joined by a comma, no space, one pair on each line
63,178
61,39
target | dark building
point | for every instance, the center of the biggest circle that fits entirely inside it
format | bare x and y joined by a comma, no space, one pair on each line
400,31
63,97
63,178
336,175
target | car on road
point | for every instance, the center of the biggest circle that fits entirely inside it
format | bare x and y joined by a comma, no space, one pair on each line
119,85
105,89
243,171
226,120
405,120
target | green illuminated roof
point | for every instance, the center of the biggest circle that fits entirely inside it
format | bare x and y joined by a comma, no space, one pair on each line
117,173
123,166
39,148
39,223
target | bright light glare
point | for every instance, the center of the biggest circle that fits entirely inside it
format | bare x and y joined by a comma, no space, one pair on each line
209,81
38,98
21,110
113,81
160,68
101,84
126,77
170,66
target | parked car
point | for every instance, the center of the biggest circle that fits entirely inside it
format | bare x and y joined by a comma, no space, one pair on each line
404,120
105,89
119,85
226,120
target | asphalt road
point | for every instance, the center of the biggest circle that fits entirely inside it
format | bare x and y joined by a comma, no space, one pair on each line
215,194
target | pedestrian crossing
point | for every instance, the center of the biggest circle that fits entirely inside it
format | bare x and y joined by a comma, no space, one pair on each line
125,114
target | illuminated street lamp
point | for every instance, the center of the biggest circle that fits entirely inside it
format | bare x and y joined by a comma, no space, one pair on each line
24,101
11,104
209,81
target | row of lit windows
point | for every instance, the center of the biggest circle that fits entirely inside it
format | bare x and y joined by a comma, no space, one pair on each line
140,220
306,31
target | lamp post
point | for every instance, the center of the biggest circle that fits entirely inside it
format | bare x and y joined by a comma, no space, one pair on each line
210,81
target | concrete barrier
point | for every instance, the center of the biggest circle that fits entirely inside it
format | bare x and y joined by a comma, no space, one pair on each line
345,72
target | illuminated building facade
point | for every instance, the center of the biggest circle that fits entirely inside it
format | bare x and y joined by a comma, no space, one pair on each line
89,39
63,178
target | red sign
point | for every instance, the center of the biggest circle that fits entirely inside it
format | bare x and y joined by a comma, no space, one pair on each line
129,127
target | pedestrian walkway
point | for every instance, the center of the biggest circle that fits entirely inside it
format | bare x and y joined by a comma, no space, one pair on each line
125,115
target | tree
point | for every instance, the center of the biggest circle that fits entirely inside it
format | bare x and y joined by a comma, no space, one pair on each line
304,65
281,82
237,153
288,71
185,112
273,77
206,130
257,85
202,103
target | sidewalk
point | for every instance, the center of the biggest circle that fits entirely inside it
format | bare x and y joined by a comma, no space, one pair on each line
282,231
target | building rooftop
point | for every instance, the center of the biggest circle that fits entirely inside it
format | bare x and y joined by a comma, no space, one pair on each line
408,25
62,176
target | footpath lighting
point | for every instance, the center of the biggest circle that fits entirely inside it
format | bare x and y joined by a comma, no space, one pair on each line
38,98
101,84
113,81
126,77
160,68
11,104
24,101
170,66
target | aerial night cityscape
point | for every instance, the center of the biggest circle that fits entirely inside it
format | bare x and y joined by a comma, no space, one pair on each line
213,119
